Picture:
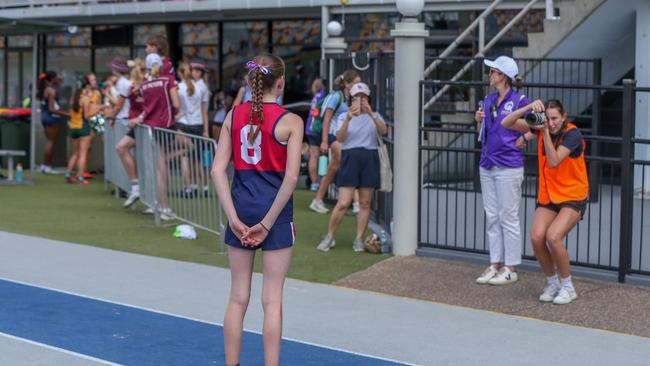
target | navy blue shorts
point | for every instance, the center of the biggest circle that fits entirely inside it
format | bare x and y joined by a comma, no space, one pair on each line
359,169
48,119
281,236
317,139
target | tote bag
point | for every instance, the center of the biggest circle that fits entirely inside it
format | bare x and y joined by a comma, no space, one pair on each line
385,170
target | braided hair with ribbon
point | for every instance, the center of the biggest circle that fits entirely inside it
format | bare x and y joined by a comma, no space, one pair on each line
263,72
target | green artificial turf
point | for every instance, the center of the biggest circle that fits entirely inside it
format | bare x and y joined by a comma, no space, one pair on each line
89,215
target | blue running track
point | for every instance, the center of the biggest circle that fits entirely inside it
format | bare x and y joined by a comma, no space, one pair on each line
133,336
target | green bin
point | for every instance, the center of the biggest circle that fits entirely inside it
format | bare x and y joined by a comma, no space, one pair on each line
14,133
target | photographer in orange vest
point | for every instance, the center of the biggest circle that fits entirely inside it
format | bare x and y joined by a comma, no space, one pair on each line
563,190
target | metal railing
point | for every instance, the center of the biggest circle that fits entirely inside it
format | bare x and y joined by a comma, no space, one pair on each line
614,232
114,172
482,47
174,175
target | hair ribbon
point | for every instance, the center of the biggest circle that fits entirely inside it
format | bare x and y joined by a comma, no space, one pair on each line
252,65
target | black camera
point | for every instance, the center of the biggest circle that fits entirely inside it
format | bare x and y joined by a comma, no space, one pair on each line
536,118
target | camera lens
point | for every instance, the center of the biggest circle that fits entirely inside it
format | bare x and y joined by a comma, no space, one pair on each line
535,118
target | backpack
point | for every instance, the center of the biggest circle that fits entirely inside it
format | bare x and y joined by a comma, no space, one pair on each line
318,114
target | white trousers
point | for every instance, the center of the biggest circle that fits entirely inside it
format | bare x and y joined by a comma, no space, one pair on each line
501,188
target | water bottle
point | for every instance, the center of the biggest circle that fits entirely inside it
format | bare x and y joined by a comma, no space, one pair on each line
207,158
385,242
322,165
19,173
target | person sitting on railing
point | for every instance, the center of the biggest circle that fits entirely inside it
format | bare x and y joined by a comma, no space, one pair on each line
192,119
562,194
357,132
502,172
160,93
127,142
264,141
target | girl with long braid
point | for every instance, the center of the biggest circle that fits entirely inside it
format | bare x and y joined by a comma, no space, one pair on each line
264,141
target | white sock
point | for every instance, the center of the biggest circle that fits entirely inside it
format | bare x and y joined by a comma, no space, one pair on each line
135,188
566,281
553,280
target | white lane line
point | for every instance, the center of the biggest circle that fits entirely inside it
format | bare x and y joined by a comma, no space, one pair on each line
62,350
197,320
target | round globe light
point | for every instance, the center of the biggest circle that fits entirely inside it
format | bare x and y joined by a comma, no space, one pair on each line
72,29
410,8
334,28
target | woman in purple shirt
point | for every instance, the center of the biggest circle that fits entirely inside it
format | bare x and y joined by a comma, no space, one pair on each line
502,172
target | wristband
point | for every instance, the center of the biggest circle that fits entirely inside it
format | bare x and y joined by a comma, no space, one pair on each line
264,226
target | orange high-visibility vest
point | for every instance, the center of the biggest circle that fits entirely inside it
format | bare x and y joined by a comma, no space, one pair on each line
566,182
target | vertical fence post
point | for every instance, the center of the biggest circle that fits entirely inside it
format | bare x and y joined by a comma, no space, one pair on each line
477,72
627,198
595,171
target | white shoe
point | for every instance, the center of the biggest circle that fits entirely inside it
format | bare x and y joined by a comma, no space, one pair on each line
566,295
487,275
355,207
357,245
326,244
550,292
166,214
46,169
504,277
134,196
147,211
319,207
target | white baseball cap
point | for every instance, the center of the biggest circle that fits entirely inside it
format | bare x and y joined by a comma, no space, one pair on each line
359,88
504,64
153,58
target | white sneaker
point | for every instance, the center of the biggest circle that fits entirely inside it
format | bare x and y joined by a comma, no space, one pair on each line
357,245
166,214
319,207
565,296
147,211
550,292
355,207
134,196
504,277
487,275
326,244
46,169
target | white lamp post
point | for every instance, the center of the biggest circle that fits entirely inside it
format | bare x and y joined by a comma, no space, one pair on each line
334,44
410,38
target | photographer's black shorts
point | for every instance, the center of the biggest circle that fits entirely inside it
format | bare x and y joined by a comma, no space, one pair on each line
578,206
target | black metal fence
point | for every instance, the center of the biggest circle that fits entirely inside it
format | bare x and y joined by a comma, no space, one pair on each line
377,69
614,232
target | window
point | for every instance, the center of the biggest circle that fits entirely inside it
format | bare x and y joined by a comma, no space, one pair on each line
65,39
298,43
201,41
241,42
71,64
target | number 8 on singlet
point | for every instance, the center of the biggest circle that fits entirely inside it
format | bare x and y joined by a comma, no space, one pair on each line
250,153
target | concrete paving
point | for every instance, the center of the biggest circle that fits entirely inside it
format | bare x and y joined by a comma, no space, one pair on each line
406,330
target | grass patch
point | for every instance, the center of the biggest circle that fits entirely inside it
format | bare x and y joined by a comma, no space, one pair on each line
88,215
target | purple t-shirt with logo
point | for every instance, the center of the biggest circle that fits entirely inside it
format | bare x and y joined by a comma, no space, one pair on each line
499,147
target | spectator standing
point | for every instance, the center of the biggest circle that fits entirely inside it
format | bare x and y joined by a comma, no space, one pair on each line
502,172
334,106
357,132
319,92
192,119
51,115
